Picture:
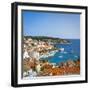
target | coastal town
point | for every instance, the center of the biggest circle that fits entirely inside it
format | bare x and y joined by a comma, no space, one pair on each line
34,50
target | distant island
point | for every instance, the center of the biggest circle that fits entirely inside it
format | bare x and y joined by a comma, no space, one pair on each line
52,40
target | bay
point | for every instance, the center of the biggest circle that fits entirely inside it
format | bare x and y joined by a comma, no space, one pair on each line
70,52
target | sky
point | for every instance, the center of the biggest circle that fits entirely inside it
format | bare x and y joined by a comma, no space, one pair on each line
61,25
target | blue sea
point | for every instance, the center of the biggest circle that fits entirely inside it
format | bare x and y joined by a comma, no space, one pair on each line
71,52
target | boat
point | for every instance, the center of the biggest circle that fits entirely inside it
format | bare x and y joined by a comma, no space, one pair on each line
61,49
60,56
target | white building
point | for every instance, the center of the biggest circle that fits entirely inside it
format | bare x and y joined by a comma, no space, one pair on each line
34,54
25,55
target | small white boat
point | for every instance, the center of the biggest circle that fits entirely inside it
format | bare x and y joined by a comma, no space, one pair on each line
60,56
65,52
61,49
76,56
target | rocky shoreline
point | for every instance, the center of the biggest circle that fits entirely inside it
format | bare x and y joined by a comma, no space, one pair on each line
44,68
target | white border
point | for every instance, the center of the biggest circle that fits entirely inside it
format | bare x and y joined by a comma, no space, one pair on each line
82,43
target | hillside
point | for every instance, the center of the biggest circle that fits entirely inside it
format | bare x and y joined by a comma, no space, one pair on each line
49,39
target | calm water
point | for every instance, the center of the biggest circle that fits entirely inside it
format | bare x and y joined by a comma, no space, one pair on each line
71,52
